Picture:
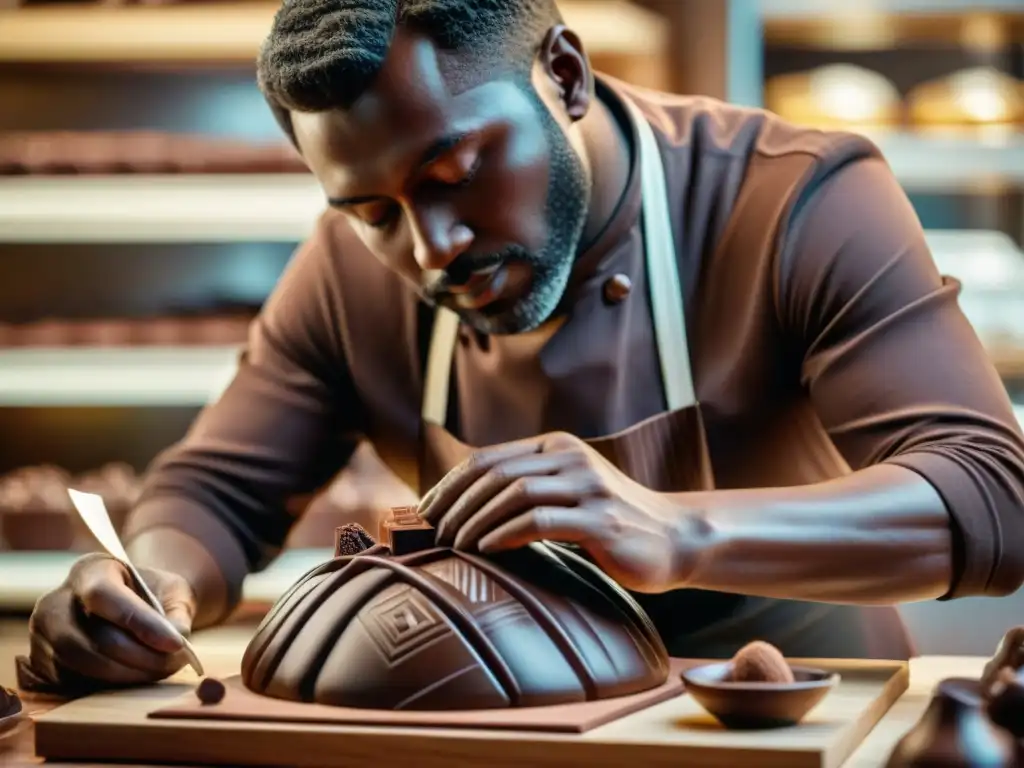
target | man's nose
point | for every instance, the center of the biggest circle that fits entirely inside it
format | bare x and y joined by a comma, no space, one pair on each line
438,239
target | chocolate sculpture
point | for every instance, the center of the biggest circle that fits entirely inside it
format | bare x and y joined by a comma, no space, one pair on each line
955,733
972,722
439,629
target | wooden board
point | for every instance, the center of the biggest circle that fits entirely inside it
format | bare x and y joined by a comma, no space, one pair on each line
117,726
239,703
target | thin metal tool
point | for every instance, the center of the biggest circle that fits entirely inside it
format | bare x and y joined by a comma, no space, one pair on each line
94,514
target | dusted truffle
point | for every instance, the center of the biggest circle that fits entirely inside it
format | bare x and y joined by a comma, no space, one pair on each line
351,539
760,662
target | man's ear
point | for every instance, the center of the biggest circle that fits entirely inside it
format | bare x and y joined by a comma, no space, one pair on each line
566,63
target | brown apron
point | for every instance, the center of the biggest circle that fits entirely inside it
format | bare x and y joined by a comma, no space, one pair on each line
667,452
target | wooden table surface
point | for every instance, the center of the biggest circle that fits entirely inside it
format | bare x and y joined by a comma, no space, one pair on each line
221,650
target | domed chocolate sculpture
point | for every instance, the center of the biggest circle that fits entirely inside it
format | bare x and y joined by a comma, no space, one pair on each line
439,629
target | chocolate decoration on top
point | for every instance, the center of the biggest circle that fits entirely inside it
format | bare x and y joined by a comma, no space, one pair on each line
442,629
405,532
351,539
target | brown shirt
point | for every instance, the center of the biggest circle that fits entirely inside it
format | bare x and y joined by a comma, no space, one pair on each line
822,339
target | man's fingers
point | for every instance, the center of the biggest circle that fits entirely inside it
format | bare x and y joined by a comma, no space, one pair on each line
179,603
73,650
568,490
455,483
104,595
117,645
495,482
60,643
570,525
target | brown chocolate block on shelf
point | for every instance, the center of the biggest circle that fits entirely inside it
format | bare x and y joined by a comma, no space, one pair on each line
36,510
404,532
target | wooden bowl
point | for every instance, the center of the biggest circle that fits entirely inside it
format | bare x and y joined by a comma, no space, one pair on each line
749,706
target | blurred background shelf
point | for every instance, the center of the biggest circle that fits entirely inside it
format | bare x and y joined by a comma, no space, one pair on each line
831,24
935,162
284,207
131,376
230,33
154,209
828,9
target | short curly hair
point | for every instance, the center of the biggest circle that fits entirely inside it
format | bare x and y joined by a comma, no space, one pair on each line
323,54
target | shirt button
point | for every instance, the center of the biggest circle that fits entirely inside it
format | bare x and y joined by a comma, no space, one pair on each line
617,288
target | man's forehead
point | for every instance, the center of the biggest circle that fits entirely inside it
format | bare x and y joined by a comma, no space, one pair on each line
416,91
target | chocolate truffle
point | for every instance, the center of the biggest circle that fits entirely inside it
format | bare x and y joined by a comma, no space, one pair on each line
210,690
442,629
760,662
351,539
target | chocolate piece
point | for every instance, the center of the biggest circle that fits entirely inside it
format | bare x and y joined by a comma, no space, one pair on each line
404,532
760,662
443,629
210,690
351,539
955,732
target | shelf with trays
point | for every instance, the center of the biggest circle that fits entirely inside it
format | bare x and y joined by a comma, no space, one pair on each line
285,207
118,376
838,24
966,161
154,209
230,33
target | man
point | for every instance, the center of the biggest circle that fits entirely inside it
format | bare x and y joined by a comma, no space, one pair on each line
705,346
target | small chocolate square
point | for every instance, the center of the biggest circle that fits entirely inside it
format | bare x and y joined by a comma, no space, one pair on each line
404,532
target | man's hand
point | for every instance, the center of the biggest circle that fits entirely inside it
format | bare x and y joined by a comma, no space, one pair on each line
1009,656
95,630
558,488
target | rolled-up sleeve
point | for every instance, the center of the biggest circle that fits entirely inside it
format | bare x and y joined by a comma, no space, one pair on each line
896,372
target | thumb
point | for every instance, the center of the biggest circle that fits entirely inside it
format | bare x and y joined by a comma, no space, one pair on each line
179,604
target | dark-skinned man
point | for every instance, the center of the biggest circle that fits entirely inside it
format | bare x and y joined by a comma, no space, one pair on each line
707,347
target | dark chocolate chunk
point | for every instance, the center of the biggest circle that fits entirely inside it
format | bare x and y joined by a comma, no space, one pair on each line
405,532
351,539
210,690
